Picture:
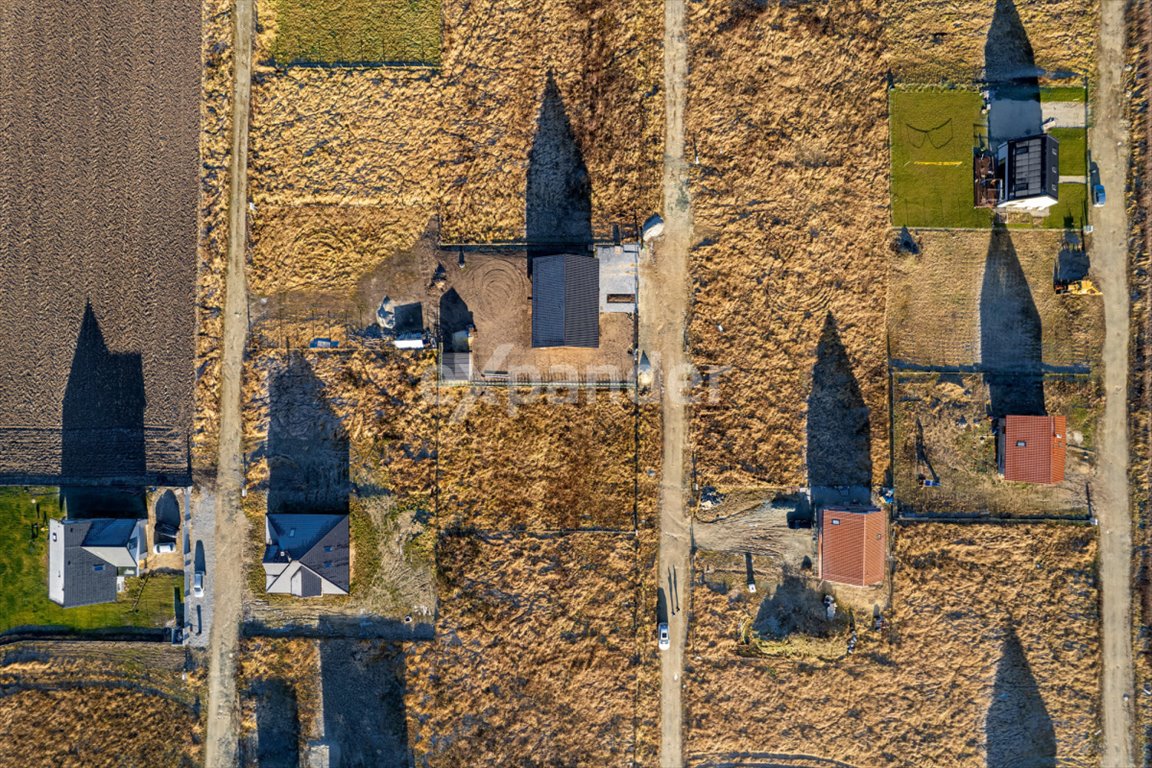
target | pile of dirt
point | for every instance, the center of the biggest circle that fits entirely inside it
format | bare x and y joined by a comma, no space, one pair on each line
990,656
510,461
405,146
544,653
788,134
947,41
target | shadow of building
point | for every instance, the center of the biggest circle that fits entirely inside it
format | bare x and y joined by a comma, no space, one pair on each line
1012,77
455,316
102,428
277,724
1010,333
839,424
308,467
1018,729
365,721
558,206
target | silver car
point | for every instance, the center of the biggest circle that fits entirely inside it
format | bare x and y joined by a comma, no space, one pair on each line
198,584
665,637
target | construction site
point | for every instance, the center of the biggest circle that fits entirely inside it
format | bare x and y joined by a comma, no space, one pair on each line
667,384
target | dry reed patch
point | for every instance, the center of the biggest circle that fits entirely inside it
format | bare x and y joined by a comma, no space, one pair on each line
454,142
510,459
989,623
278,680
787,122
544,653
944,40
97,704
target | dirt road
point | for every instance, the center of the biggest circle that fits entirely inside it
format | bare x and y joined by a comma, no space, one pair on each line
227,583
668,320
1110,150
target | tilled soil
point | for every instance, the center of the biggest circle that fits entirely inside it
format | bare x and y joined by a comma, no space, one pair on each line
98,185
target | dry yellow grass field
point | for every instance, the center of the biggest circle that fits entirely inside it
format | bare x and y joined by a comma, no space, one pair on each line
512,461
935,298
787,127
933,41
544,654
452,143
990,656
215,151
97,704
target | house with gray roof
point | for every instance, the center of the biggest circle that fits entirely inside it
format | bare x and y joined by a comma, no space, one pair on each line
88,559
306,555
565,301
1028,172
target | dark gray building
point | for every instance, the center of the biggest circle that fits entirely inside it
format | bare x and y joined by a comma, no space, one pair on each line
565,301
1029,172
307,555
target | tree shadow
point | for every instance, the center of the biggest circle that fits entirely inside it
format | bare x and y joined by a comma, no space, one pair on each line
308,462
839,424
1012,78
167,517
102,423
277,724
363,684
558,206
1018,728
1010,332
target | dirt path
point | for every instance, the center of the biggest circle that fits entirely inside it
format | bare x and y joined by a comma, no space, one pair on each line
667,318
1110,150
227,583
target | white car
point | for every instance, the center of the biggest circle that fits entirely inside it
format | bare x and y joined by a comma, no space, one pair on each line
161,547
665,638
198,584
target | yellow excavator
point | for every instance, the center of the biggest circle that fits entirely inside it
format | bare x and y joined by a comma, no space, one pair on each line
1083,287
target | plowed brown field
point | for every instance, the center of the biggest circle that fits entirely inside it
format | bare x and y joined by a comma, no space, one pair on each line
98,179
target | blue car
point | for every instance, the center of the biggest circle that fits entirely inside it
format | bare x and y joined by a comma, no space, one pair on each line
1098,196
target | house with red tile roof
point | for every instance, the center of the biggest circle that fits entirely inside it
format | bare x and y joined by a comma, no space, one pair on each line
853,546
1031,449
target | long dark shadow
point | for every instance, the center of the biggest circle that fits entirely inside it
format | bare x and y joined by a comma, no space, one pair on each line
1012,77
277,725
102,428
1018,728
308,466
1010,332
558,208
839,424
364,714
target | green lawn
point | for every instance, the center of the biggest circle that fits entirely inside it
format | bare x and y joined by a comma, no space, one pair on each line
24,581
357,32
1064,93
1073,205
933,135
1073,143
